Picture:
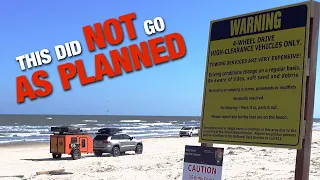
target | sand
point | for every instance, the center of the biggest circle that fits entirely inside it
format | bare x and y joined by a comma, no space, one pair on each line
162,160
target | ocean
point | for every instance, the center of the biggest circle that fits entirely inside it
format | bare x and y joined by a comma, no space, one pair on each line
36,128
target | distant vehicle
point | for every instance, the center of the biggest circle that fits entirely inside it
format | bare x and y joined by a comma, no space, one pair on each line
189,131
111,140
69,140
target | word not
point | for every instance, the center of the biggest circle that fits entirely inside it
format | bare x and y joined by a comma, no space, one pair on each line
124,59
34,59
103,34
262,22
151,27
69,49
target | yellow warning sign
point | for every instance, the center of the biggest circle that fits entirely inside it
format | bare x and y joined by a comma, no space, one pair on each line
255,78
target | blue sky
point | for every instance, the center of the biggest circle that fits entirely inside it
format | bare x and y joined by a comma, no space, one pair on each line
170,89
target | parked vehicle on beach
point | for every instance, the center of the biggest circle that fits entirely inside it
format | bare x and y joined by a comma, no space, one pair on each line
111,140
189,131
69,140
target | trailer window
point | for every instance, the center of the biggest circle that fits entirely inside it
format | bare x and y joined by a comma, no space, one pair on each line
83,143
74,140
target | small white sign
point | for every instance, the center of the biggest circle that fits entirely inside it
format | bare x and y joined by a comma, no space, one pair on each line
202,163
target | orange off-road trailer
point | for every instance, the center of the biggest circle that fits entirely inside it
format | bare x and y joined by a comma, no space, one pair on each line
69,140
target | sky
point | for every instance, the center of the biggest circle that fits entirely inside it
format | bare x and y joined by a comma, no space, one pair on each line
174,88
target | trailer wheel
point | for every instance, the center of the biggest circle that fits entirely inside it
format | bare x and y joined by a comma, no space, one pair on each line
56,156
76,154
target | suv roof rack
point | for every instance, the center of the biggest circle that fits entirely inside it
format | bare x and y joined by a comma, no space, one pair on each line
66,130
109,131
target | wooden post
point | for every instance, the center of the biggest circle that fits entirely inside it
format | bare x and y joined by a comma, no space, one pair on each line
207,144
303,155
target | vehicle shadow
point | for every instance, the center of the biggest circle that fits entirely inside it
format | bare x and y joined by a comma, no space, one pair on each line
109,155
50,159
69,158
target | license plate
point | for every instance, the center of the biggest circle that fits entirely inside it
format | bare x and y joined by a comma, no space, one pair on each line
98,143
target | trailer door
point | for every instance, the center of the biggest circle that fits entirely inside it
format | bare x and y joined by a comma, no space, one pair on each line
83,144
53,144
61,144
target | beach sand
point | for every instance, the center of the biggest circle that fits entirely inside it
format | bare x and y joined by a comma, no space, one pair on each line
162,160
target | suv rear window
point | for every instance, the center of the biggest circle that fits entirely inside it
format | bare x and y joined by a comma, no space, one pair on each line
101,137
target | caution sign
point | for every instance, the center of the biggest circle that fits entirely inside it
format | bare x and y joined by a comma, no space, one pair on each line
202,163
255,78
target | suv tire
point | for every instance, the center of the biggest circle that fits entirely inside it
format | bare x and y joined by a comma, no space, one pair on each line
190,135
139,149
98,153
115,151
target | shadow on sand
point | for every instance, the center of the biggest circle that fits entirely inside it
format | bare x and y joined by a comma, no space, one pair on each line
109,155
69,158
49,159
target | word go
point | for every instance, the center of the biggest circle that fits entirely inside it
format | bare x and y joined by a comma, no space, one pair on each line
152,27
